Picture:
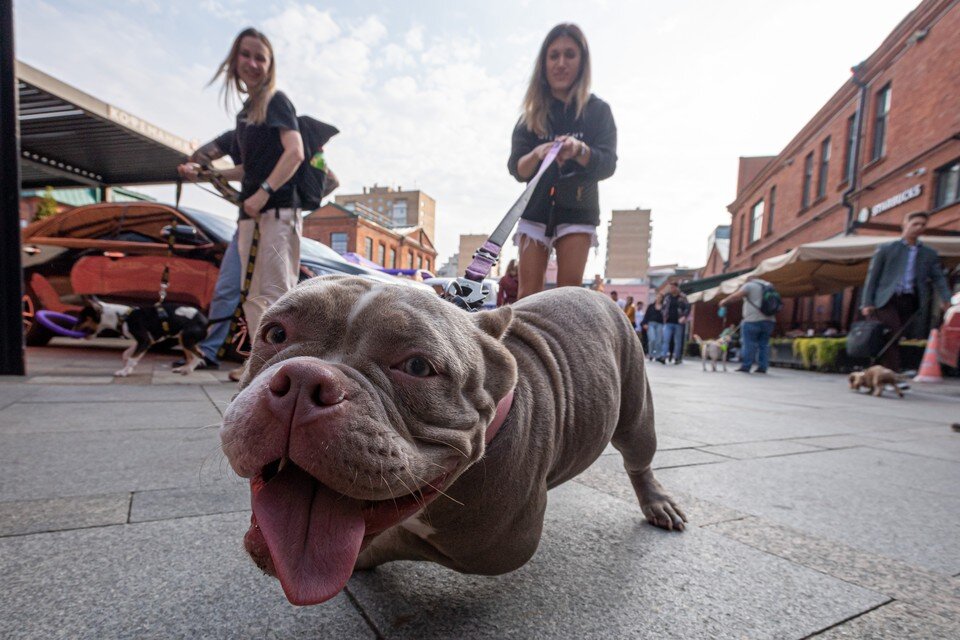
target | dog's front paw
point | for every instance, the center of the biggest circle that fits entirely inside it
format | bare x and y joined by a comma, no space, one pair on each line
184,370
663,512
122,373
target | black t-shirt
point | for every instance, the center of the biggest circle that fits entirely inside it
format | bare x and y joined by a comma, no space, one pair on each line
260,150
576,199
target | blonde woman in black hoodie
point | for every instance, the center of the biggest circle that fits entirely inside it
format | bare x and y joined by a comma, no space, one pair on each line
564,210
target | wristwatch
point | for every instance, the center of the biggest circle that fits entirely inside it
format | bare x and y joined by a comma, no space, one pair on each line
583,148
266,187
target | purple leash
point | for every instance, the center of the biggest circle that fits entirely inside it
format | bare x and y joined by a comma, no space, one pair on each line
468,292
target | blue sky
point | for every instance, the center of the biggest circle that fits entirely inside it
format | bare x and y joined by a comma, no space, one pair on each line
426,93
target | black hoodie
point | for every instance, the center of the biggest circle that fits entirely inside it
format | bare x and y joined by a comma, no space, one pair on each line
576,199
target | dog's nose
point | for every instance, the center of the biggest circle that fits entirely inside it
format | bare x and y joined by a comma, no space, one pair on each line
311,385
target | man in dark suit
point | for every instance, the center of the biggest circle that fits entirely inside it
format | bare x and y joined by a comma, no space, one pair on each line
900,278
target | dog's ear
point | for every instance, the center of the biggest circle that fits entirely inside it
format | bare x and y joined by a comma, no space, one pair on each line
495,322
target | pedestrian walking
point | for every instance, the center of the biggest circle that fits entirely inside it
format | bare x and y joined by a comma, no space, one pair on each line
900,279
509,285
271,151
676,311
653,325
756,327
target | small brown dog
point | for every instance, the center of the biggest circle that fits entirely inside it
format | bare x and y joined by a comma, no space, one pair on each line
875,379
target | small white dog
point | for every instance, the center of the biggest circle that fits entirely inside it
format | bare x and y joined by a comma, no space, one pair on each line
715,350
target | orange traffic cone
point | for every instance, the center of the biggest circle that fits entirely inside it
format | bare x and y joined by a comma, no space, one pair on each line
930,366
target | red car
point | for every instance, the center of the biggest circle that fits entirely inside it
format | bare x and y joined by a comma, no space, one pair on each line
118,252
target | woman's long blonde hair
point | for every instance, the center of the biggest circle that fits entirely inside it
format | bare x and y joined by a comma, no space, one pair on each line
234,87
536,104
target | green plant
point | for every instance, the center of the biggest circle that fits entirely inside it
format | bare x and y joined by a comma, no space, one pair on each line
827,351
48,205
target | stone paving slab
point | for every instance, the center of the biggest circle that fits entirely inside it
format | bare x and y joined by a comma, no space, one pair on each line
683,458
602,573
163,504
610,478
123,416
77,379
899,580
945,446
11,392
185,578
112,393
896,620
73,463
664,443
765,449
57,514
901,506
221,394
168,377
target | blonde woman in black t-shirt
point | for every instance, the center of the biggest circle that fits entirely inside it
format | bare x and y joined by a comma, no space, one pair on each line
564,209
271,150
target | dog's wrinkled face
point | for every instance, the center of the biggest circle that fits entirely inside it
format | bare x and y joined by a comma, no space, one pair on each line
361,403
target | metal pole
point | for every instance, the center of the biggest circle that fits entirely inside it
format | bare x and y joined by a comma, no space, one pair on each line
12,356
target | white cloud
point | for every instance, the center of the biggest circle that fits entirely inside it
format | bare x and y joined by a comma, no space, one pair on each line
414,38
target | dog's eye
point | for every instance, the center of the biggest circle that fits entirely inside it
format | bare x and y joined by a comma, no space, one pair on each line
274,334
418,367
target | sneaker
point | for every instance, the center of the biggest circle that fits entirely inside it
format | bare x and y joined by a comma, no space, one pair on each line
955,426
206,364
760,371
678,362
742,370
235,374
662,360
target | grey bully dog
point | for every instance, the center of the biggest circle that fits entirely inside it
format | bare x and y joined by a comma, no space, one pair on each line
379,423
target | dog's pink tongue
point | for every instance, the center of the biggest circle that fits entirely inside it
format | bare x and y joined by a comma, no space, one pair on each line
313,534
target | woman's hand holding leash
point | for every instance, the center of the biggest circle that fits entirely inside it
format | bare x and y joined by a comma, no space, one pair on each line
189,171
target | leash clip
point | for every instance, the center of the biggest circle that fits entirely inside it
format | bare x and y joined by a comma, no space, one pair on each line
467,294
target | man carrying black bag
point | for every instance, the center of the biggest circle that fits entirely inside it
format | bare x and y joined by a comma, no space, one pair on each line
899,281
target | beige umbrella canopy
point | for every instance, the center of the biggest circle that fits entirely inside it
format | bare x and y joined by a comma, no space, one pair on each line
825,267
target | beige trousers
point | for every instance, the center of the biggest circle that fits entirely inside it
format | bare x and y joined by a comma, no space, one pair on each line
277,267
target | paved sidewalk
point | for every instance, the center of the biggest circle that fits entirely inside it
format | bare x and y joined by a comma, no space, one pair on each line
814,511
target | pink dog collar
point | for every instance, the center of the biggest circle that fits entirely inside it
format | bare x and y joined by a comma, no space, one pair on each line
503,408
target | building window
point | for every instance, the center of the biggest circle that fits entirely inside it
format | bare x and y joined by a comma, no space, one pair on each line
880,123
824,168
807,180
426,264
419,262
948,185
756,221
381,254
398,213
368,248
410,260
848,154
393,259
770,209
742,224
338,242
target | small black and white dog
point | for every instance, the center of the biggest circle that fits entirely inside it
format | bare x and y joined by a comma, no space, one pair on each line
147,326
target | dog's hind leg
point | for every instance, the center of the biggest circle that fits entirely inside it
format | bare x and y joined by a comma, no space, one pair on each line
191,353
636,440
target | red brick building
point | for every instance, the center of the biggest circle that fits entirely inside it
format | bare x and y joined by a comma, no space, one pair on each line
361,232
887,143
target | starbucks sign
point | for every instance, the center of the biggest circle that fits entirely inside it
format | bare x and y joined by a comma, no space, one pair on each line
894,201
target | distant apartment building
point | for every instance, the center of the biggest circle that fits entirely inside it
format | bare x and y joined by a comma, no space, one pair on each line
628,244
359,231
400,208
469,243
